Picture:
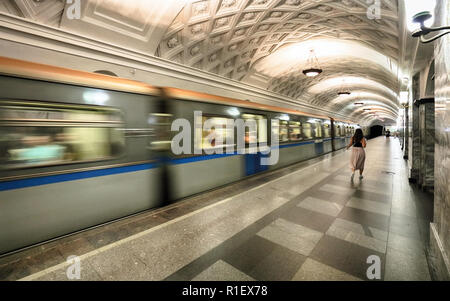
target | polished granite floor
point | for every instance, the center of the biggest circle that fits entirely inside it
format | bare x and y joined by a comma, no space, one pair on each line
305,222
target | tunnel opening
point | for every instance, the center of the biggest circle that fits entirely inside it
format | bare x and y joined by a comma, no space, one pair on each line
376,131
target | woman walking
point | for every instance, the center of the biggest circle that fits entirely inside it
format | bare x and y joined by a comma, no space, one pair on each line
358,157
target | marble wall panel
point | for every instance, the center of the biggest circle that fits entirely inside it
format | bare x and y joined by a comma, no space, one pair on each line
414,142
427,141
441,219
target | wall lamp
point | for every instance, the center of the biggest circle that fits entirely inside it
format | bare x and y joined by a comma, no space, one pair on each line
404,98
424,30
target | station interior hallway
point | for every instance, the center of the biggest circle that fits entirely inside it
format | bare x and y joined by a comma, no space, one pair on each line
304,222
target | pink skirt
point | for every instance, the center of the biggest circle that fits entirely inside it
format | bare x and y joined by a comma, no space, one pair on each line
358,158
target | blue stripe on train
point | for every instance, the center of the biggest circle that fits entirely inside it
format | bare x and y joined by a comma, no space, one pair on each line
217,156
297,144
200,158
38,181
17,184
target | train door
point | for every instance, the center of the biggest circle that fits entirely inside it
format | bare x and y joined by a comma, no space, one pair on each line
318,143
254,137
159,122
334,134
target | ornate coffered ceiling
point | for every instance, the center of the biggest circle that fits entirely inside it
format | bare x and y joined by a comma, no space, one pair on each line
48,12
248,41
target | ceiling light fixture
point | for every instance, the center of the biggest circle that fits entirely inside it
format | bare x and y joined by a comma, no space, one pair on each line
359,103
314,67
343,91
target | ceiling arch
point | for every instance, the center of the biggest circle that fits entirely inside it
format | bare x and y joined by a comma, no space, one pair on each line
341,61
382,120
338,58
361,82
353,110
228,36
364,96
362,89
327,50
373,110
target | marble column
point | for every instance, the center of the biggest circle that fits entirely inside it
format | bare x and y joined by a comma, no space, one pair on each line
439,248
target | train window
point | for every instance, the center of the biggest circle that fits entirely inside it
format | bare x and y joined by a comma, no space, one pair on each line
159,130
40,134
219,136
326,131
295,131
261,128
337,130
283,136
319,133
307,131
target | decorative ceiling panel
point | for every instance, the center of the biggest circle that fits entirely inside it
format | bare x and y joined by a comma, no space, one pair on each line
265,25
48,12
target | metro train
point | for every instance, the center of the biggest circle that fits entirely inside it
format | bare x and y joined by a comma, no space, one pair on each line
80,149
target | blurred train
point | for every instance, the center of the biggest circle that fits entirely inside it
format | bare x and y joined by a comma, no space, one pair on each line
81,149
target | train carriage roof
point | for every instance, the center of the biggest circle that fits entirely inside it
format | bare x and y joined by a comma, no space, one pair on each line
203,97
19,68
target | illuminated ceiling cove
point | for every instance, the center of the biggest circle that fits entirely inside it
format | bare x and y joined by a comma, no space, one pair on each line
264,43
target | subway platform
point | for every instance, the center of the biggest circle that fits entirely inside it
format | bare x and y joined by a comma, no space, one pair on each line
304,222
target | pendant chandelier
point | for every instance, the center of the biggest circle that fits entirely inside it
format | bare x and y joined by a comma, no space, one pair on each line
343,91
313,65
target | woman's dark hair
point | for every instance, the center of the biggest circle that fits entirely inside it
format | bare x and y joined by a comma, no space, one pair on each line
358,136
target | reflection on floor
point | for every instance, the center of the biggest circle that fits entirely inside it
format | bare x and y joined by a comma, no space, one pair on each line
306,222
